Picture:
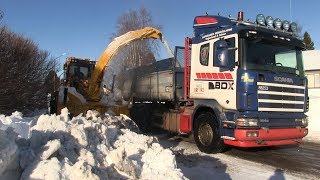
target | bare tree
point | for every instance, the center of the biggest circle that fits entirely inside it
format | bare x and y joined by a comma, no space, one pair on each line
139,52
23,69
1,15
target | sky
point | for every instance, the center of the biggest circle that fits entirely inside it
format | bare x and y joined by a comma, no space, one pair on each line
82,28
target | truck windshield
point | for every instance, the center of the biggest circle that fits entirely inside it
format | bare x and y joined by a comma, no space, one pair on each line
272,56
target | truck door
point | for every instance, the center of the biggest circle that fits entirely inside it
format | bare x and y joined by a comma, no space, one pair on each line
208,79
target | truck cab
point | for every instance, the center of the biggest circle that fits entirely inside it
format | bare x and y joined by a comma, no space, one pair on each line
241,84
251,75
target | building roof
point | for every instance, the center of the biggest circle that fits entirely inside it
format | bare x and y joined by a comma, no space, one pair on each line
311,60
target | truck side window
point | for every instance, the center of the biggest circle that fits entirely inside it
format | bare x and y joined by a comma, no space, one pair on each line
231,44
204,54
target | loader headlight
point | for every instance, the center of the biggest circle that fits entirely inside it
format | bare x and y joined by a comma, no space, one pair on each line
247,122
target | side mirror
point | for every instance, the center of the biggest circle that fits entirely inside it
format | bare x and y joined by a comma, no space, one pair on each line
221,55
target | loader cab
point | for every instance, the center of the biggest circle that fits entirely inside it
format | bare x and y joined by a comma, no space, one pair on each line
77,72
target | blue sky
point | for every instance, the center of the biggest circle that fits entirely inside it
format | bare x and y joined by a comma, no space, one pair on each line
83,28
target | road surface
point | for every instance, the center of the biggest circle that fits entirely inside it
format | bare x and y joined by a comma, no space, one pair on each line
286,162
304,158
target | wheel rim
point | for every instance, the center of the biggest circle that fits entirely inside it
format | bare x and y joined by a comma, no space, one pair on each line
205,134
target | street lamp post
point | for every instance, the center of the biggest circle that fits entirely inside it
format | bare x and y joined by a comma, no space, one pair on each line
52,97
54,70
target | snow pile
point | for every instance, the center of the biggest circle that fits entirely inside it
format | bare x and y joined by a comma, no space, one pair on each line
19,124
88,147
8,154
151,161
314,120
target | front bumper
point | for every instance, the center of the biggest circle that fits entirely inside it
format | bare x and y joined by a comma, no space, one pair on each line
267,137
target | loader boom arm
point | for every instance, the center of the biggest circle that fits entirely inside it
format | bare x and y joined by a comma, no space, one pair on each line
94,91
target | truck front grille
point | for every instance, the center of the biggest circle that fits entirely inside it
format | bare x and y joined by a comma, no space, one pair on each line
280,97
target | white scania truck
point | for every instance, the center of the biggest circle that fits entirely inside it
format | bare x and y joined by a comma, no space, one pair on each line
235,83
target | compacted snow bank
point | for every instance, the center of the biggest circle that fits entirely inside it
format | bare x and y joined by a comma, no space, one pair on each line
85,147
8,155
19,124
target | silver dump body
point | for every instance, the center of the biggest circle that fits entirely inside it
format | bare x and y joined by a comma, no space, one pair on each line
160,81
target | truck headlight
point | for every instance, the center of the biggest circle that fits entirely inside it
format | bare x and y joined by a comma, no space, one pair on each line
294,27
269,21
277,23
286,25
303,121
247,122
261,20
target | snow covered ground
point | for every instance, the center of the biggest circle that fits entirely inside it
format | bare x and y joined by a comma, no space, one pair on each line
96,146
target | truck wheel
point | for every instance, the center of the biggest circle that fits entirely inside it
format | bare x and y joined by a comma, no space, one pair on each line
140,114
206,134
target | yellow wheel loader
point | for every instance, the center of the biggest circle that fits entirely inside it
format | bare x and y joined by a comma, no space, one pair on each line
81,88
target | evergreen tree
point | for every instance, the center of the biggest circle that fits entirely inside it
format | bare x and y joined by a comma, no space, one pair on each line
307,40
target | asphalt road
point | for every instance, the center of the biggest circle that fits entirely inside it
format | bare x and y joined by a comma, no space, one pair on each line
302,159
